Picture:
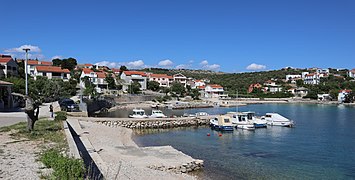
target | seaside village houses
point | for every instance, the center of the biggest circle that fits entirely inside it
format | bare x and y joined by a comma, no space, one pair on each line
96,78
8,68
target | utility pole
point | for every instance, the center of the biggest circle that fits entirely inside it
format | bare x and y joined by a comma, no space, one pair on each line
26,73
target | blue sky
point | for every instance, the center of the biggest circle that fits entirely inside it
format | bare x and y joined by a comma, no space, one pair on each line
219,35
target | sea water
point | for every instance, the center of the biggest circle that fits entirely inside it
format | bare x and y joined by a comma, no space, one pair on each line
321,146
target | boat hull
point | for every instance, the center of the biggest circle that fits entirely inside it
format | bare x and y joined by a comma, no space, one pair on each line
222,128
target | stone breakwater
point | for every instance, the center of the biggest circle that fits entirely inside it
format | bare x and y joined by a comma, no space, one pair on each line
184,168
154,124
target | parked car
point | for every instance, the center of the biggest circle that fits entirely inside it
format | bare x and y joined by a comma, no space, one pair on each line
68,105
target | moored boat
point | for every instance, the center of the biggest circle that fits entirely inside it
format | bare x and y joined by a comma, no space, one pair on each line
275,119
138,113
157,114
221,123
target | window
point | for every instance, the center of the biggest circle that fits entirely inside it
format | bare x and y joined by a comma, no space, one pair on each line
226,120
44,74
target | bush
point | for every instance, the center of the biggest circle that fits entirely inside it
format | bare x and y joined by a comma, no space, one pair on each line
64,167
61,116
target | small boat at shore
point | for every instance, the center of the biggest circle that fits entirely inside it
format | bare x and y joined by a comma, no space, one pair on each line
275,119
157,114
221,123
240,121
138,113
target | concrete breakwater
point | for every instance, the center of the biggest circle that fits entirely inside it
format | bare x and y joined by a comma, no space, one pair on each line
154,123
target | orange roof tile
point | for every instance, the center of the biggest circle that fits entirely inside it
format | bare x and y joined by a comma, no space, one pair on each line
51,69
129,73
101,74
215,86
201,87
87,70
161,76
345,90
88,65
5,58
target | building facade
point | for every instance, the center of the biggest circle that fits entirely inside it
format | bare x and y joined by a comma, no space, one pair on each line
8,67
130,77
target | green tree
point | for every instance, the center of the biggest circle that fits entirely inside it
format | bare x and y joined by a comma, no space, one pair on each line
153,85
69,63
134,88
110,81
350,97
178,89
57,62
195,94
123,68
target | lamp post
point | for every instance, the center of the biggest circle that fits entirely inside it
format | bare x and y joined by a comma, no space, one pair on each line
26,50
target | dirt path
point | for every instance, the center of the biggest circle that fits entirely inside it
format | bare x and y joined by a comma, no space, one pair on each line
18,158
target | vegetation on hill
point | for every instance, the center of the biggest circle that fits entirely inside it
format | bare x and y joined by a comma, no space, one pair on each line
233,82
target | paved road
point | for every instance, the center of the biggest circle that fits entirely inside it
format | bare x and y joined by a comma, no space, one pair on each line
10,118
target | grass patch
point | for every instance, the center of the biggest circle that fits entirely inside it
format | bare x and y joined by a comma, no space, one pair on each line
44,130
64,167
53,139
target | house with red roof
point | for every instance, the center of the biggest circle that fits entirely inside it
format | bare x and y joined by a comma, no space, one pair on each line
8,67
130,77
31,65
252,86
180,78
352,73
164,80
96,78
52,72
342,94
214,91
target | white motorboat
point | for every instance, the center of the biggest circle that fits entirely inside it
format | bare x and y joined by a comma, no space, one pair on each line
221,123
275,119
240,121
198,114
138,113
157,114
257,121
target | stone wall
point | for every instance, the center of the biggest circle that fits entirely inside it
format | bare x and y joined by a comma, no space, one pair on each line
184,168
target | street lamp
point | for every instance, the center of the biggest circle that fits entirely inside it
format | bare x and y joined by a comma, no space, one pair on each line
26,50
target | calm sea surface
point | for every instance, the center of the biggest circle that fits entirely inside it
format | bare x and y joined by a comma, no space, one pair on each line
321,146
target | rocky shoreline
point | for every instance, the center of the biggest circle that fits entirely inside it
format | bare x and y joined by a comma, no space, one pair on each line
154,124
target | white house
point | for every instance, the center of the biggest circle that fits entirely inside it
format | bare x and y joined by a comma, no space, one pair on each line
96,78
180,78
304,75
32,64
323,97
351,73
271,86
52,72
322,71
342,94
293,77
214,91
8,67
313,78
134,76
163,79
199,83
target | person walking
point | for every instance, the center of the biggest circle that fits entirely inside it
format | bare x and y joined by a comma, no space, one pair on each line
51,110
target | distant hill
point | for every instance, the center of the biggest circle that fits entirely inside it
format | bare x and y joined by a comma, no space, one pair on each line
230,81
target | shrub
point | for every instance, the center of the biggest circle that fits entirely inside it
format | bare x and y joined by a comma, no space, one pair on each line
64,167
61,116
